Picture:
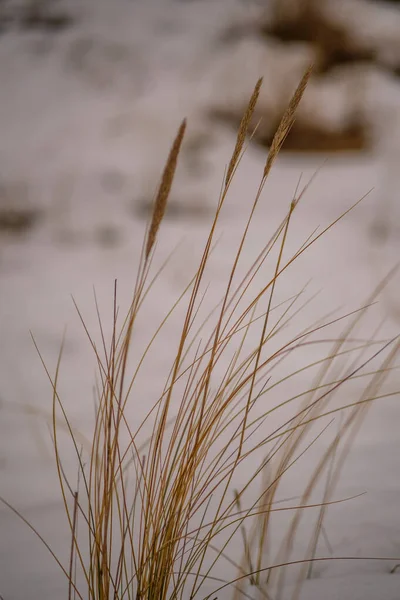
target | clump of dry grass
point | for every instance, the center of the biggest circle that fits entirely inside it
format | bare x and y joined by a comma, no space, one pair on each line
157,519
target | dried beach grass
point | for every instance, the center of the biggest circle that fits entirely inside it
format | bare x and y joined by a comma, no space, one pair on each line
153,518
164,190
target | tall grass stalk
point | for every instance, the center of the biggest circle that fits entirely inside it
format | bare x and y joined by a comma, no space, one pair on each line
157,519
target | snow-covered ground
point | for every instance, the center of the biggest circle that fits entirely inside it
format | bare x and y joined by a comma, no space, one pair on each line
86,118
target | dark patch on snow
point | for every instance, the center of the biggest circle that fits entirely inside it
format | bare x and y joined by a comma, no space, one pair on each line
35,15
18,220
176,209
107,236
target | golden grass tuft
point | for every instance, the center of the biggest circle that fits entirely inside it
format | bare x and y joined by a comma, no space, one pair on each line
243,131
164,190
164,500
287,121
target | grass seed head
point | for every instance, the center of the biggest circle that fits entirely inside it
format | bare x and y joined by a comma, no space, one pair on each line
160,203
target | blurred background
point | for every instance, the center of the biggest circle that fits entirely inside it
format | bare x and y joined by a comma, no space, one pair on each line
94,91
91,95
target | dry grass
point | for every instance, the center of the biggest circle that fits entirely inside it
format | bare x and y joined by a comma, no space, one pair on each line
161,200
155,520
